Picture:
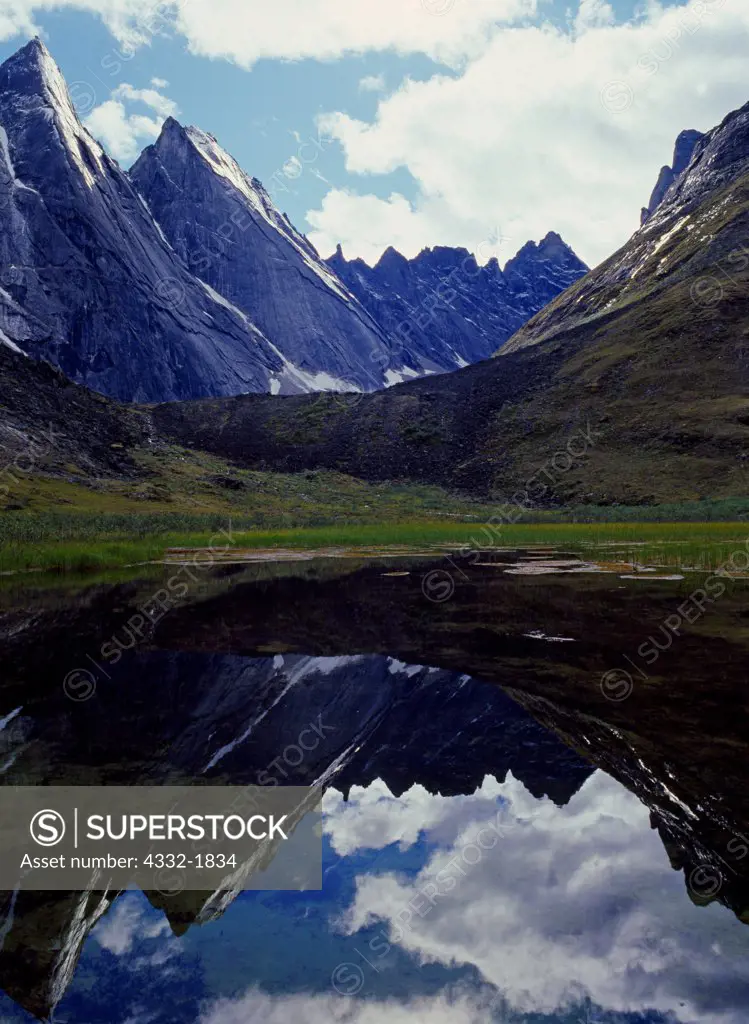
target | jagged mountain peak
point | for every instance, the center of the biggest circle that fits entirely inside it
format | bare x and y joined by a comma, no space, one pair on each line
448,311
225,226
187,143
684,148
718,158
171,124
552,244
702,164
33,71
32,85
34,58
87,279
552,249
203,277
219,159
391,258
445,256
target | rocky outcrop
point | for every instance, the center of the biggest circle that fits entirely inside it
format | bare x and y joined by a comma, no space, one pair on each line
444,311
224,226
683,150
87,280
693,239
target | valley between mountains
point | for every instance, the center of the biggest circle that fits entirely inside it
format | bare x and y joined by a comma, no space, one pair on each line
171,343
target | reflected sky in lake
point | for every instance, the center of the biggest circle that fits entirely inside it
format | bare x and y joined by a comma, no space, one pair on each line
491,907
502,842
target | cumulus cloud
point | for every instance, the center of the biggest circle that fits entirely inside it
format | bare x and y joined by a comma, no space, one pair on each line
246,31
124,134
367,224
593,14
447,30
127,924
373,818
537,128
159,83
585,890
292,168
132,22
545,129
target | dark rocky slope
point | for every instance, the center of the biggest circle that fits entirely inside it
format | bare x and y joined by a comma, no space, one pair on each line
48,424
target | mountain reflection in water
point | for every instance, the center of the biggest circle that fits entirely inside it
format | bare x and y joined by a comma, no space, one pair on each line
478,863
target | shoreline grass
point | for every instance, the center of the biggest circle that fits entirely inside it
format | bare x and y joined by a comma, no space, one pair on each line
705,545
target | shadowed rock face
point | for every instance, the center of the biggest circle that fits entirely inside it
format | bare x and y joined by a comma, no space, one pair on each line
444,311
226,229
86,278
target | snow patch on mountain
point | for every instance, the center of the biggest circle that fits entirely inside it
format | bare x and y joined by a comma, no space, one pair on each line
5,340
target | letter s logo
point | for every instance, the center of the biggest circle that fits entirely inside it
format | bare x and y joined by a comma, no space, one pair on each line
47,828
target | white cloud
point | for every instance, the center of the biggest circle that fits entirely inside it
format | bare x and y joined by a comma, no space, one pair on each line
292,168
260,1008
133,22
372,83
366,225
151,97
539,128
246,31
126,924
159,83
373,818
543,130
584,890
593,14
123,134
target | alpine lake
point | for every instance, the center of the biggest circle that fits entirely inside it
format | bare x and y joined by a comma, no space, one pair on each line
533,768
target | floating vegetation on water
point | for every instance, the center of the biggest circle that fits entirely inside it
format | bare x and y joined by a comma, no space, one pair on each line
78,543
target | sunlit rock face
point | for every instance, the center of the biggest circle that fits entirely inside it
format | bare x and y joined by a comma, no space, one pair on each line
225,227
87,279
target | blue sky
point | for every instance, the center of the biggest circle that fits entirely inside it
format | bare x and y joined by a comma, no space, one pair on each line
468,126
255,114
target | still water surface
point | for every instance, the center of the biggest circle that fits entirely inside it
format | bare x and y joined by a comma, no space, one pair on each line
524,819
